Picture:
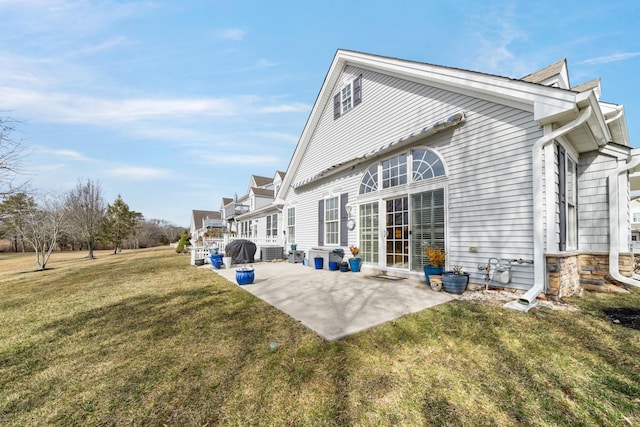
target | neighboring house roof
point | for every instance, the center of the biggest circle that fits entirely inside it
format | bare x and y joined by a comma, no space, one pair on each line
280,174
262,192
261,181
543,75
199,216
591,84
226,201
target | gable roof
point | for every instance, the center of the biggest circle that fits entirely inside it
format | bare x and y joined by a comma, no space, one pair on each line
199,216
262,192
261,181
591,84
547,103
554,73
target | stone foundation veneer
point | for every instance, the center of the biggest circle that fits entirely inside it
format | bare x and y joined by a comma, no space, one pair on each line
568,272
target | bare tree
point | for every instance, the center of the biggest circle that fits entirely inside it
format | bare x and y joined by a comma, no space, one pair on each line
11,154
41,226
86,211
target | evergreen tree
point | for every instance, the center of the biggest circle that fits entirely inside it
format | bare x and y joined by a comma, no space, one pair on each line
12,216
120,223
184,241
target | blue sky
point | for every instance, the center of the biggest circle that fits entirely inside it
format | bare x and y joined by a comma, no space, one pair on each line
175,104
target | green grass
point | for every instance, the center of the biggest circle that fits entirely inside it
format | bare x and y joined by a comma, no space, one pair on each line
143,338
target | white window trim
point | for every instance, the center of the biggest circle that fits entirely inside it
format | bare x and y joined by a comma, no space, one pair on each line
337,220
291,226
349,98
411,184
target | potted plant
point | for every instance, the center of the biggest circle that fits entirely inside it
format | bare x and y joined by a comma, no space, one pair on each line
435,262
226,260
455,281
245,275
355,262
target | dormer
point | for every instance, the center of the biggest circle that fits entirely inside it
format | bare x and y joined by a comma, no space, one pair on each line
591,84
554,75
277,182
260,182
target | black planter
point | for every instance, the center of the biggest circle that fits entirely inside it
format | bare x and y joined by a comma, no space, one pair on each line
455,283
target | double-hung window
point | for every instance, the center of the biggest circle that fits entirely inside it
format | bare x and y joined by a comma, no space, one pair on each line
567,200
349,96
291,224
272,225
331,221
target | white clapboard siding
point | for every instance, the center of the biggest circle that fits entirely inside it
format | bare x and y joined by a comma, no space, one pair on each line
593,211
488,161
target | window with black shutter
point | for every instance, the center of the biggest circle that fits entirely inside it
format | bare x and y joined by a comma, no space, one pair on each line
562,197
348,97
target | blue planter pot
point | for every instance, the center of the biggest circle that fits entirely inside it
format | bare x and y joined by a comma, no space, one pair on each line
354,264
455,283
245,276
216,261
432,271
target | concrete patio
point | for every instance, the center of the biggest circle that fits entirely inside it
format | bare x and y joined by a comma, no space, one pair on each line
336,304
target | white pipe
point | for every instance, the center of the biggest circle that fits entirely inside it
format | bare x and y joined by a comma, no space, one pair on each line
539,263
614,222
619,112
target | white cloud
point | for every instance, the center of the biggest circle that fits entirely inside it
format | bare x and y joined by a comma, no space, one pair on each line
235,34
494,34
295,107
610,58
69,154
71,108
280,136
140,173
238,159
109,44
265,63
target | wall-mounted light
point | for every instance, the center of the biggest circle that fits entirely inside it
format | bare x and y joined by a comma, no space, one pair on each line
351,224
348,208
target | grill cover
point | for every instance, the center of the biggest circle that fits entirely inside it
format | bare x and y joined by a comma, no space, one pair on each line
242,251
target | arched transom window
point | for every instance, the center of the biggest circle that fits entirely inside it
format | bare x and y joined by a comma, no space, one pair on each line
369,182
425,164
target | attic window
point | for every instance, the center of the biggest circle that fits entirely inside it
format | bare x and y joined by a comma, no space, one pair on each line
349,96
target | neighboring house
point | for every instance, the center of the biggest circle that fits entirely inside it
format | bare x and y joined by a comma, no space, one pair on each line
202,221
400,155
253,216
635,225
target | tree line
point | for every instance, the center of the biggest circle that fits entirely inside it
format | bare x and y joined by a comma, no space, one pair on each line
78,220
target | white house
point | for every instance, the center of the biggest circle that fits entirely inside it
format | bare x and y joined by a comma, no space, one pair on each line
202,221
635,225
254,216
400,155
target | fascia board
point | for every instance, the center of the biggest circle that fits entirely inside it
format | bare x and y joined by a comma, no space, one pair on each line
596,122
547,101
326,90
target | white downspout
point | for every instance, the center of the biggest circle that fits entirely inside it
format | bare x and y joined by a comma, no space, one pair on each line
619,111
614,222
524,303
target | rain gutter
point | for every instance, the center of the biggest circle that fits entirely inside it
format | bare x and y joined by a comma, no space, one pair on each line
526,301
614,221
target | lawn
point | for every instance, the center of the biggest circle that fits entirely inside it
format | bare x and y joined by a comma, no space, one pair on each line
143,338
